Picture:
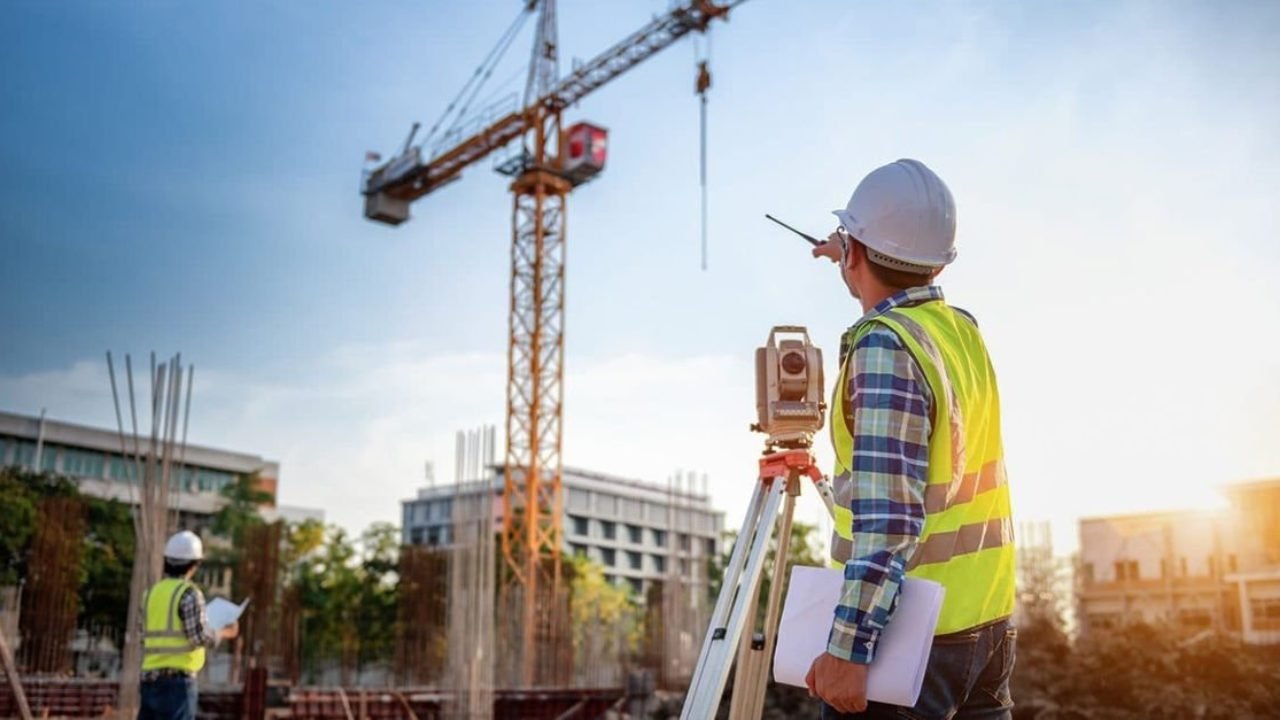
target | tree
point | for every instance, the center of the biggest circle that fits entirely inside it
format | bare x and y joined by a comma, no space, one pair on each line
805,548
107,558
108,565
17,523
376,613
244,497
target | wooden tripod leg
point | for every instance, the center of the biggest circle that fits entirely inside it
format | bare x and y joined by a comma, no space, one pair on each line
730,617
756,654
15,684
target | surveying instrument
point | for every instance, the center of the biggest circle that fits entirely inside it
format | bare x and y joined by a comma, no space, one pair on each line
790,406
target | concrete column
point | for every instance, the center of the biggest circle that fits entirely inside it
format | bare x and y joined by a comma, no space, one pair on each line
1246,612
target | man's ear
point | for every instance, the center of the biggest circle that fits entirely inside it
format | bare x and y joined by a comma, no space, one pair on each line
850,255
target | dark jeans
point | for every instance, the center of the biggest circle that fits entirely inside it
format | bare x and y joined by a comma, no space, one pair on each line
168,698
967,679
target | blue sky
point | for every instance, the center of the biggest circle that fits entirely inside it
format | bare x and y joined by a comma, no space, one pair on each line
183,176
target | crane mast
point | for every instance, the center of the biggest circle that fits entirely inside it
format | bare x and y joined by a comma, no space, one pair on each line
534,601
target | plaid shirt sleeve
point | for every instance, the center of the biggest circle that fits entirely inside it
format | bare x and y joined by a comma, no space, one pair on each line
889,403
194,622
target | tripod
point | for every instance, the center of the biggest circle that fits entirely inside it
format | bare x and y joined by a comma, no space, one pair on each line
776,491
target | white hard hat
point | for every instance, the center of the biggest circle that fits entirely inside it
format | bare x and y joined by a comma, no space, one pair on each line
185,545
905,215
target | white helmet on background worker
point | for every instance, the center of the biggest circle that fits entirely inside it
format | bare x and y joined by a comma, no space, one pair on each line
905,216
184,546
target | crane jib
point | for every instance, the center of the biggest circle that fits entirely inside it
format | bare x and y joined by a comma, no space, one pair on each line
407,177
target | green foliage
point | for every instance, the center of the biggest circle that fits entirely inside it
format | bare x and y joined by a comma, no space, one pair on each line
597,603
1141,671
109,542
243,497
347,590
17,524
108,564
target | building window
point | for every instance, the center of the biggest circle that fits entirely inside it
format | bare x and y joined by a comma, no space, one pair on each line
610,530
608,557
1266,613
24,453
709,546
611,579
1126,570
635,560
606,504
122,470
1103,621
659,563
579,550
635,534
579,500
415,536
685,542
684,567
1195,617
637,586
81,463
433,535
581,526
660,538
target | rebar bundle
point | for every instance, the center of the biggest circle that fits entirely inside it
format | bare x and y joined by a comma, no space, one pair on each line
156,461
257,578
50,602
421,615
470,676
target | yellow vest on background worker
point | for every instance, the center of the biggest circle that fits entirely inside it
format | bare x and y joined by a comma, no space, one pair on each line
164,641
967,542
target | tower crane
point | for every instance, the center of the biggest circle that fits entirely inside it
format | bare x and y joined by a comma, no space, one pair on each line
551,162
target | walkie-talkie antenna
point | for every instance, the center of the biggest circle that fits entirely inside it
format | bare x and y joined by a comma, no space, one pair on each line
812,240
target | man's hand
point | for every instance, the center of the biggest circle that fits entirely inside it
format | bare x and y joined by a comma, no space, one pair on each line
840,683
230,632
830,249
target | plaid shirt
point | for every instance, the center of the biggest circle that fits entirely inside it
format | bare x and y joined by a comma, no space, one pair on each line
194,624
888,406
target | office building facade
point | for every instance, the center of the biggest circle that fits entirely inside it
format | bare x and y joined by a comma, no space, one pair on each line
638,532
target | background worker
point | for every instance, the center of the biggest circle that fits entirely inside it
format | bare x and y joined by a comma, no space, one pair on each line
175,634
919,480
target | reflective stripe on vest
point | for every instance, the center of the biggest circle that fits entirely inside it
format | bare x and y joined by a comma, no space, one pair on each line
164,640
967,541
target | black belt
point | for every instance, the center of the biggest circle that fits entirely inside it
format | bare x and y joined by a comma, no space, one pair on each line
163,673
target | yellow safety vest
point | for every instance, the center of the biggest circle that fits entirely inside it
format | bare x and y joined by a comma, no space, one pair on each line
967,542
164,642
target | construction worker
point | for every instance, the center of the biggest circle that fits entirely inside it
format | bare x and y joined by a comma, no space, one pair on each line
175,634
919,480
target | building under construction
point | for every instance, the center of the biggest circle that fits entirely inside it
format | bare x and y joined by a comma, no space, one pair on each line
1199,569
639,532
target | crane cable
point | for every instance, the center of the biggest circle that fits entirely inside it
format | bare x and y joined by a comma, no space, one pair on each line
703,84
481,74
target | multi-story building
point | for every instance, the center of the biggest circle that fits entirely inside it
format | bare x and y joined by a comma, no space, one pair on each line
92,457
1195,569
638,531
